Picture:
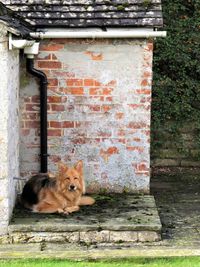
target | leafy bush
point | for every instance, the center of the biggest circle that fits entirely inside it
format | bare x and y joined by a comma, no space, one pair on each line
176,88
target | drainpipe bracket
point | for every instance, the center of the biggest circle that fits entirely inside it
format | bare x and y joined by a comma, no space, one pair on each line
32,50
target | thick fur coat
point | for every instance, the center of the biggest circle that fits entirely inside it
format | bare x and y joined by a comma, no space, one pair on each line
61,194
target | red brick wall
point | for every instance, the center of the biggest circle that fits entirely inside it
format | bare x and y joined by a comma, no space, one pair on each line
99,97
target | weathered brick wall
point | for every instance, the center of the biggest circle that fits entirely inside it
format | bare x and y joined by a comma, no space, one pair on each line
99,98
9,130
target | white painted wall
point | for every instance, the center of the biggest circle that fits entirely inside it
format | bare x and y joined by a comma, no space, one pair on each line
9,128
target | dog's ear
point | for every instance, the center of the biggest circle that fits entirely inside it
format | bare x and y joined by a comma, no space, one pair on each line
62,167
79,167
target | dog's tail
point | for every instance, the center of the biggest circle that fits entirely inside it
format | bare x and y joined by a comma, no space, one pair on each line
86,201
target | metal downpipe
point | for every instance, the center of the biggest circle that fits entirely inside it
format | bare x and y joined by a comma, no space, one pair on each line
43,113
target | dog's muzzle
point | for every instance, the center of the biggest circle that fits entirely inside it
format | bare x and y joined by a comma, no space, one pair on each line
72,187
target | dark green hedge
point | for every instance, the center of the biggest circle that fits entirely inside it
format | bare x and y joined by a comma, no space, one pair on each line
176,88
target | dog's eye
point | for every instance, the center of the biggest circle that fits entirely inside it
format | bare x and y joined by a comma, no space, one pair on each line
75,178
67,178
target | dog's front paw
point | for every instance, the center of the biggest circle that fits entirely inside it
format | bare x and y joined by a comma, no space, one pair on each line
35,209
65,213
60,211
72,209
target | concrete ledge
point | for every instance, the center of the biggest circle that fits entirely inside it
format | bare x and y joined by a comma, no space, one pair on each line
34,252
38,237
123,236
89,237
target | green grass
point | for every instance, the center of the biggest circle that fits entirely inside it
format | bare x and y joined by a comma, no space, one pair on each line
162,262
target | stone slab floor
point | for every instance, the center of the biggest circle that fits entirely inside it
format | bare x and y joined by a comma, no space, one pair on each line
113,218
177,196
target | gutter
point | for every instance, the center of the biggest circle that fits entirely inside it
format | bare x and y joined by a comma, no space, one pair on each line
96,34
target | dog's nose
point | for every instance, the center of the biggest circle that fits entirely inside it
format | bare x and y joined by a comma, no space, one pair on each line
72,187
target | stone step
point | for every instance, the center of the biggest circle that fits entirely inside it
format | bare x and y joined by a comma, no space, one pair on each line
113,218
76,252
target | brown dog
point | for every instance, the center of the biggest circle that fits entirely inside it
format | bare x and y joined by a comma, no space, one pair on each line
62,194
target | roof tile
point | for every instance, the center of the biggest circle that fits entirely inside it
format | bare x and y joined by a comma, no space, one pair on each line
88,13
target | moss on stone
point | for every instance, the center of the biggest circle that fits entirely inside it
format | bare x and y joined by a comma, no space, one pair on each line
146,3
24,79
120,7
